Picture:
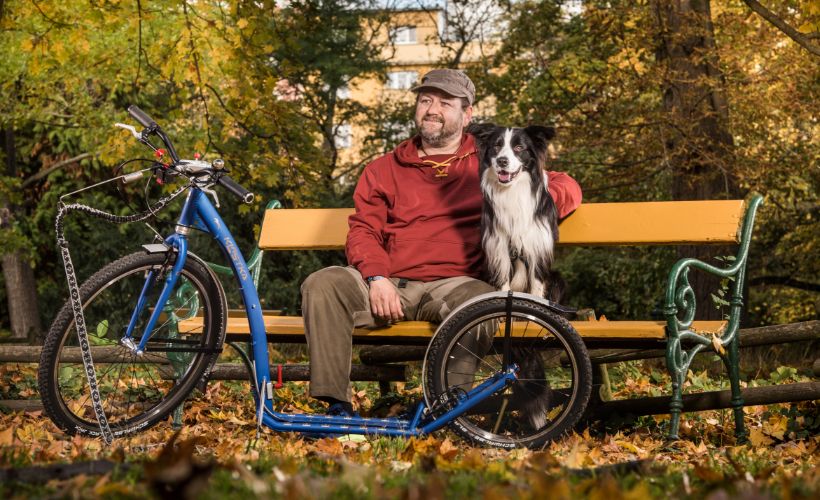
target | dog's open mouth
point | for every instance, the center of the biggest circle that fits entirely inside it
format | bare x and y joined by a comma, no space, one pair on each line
505,176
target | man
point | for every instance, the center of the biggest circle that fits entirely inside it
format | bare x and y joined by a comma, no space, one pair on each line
414,245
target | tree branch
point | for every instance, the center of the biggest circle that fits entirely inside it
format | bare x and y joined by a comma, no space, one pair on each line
60,164
800,38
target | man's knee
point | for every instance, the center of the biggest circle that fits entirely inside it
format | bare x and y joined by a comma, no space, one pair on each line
329,278
467,291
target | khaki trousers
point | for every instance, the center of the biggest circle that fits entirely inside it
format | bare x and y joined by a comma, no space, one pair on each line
335,300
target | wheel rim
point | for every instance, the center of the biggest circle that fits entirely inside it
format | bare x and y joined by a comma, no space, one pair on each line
134,389
540,400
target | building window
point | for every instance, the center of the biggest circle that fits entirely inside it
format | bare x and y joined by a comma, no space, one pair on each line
398,80
403,35
343,136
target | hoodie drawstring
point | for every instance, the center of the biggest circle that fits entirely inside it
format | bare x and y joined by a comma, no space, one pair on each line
441,166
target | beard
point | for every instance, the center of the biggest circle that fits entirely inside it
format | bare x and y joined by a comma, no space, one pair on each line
437,136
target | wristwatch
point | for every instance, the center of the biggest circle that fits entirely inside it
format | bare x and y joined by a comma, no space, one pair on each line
371,279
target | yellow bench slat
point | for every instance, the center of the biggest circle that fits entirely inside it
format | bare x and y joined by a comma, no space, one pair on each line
641,223
294,325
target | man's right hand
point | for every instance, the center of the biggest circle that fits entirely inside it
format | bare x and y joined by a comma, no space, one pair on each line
385,301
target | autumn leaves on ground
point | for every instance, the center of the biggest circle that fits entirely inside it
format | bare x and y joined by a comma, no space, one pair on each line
217,454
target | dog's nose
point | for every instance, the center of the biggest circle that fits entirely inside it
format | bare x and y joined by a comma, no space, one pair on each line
502,161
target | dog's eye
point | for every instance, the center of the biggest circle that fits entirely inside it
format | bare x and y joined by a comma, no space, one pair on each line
518,148
497,148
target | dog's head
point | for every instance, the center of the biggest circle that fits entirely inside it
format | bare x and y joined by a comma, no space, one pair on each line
506,152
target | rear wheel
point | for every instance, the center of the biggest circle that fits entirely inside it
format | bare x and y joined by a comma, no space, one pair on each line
554,376
136,391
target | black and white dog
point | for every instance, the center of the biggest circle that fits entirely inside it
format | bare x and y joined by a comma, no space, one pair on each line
519,229
519,221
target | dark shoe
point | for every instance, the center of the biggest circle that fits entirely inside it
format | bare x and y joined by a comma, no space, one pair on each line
341,410
335,410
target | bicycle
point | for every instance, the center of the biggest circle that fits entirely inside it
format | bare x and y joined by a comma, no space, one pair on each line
489,360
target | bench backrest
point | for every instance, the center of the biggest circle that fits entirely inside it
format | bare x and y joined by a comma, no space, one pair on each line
640,223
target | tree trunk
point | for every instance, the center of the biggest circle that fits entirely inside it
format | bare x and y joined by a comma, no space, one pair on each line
19,277
698,144
22,298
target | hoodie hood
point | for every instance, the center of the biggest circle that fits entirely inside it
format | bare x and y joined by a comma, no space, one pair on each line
407,153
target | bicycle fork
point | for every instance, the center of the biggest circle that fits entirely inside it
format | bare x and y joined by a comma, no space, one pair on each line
179,245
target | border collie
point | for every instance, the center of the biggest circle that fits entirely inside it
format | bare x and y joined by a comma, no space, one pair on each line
519,221
519,229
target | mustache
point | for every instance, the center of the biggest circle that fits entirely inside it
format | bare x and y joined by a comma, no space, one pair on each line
434,118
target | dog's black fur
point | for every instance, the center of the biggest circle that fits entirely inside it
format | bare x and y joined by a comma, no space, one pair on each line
519,229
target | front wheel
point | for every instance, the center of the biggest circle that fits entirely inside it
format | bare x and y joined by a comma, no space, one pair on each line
136,391
554,378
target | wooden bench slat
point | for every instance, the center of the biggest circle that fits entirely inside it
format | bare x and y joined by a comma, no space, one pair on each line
294,325
640,223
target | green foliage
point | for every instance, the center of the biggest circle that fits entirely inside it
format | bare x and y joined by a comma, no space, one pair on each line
619,283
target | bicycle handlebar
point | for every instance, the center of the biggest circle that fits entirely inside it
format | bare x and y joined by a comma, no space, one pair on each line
235,189
184,166
140,115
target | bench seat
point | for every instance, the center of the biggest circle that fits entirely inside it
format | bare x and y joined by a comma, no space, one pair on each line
292,329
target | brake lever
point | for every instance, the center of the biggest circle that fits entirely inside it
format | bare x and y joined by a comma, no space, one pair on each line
140,136
131,129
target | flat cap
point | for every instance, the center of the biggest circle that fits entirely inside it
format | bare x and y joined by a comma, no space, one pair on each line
452,81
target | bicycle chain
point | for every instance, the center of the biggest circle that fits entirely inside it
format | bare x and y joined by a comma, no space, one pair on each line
74,292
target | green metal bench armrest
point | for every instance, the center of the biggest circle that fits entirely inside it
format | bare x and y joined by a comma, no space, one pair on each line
680,297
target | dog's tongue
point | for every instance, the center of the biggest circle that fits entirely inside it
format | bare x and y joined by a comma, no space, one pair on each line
504,176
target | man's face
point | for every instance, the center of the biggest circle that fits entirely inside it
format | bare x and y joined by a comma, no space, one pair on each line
440,117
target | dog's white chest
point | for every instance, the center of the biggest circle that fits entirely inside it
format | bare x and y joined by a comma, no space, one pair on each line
515,220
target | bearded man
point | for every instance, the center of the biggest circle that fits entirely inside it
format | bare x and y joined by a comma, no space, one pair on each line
414,245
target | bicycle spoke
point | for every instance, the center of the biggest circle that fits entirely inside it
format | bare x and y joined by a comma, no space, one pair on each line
476,356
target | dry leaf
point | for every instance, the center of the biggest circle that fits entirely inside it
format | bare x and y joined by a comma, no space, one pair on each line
447,450
758,439
7,436
329,446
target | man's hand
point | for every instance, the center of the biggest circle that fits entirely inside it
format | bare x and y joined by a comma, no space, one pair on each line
384,300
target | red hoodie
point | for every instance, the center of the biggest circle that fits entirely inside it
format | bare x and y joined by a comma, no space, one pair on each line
411,223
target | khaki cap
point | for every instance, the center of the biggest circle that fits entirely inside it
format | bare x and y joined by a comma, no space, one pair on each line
451,81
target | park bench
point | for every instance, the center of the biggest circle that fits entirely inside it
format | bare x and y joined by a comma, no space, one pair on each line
716,222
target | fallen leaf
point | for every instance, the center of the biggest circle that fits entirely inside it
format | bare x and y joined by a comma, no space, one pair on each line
708,474
7,436
447,450
329,446
758,439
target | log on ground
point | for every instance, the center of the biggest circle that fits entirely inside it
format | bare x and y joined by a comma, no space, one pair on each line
714,400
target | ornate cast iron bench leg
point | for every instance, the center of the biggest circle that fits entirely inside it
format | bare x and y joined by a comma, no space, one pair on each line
680,299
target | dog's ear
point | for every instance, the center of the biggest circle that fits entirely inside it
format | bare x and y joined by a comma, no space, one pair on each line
539,134
540,137
481,131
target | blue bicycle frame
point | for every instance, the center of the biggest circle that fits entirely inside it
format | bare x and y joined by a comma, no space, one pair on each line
198,212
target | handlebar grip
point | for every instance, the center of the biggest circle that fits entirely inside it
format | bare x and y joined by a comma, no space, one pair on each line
139,115
231,185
